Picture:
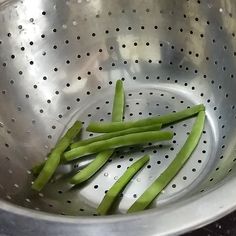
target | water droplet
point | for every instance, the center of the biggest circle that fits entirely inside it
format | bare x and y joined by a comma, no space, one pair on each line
138,180
210,5
74,22
1,124
106,174
116,177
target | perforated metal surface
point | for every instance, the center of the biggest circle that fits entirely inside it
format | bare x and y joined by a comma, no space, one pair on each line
59,63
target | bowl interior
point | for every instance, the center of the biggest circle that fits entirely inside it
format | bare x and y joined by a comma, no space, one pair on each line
59,62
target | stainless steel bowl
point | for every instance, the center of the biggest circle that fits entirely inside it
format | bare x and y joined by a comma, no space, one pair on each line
59,61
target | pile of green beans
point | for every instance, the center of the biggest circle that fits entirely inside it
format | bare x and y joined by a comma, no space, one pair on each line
120,184
54,158
103,127
115,134
118,134
102,157
176,165
120,141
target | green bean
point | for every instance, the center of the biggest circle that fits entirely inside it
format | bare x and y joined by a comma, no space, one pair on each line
55,157
116,134
102,157
113,192
92,168
102,127
172,170
120,141
118,103
37,169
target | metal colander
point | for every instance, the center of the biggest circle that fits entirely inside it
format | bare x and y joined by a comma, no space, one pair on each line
59,61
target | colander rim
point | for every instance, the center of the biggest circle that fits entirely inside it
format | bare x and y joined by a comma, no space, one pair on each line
186,215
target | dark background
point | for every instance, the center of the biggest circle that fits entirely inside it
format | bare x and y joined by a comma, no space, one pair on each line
224,226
